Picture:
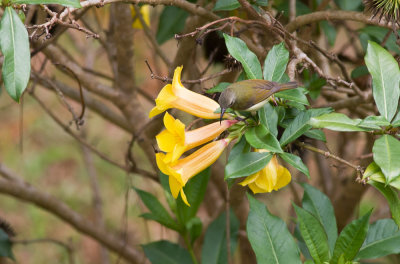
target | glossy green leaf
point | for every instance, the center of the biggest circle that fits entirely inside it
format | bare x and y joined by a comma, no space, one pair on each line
195,190
313,83
262,2
385,79
226,5
247,164
69,3
391,197
214,246
374,173
171,22
337,122
386,152
157,211
275,63
316,134
14,44
383,238
259,137
314,235
351,239
320,111
239,148
296,128
5,246
165,252
296,162
318,204
269,118
239,50
295,95
219,88
374,122
269,236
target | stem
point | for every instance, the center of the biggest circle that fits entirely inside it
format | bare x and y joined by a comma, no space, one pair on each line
190,249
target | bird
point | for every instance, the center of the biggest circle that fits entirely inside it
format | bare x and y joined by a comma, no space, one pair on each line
250,95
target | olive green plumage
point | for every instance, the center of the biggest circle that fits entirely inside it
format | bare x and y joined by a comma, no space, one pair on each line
250,95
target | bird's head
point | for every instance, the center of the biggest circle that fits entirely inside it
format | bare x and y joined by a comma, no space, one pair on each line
226,100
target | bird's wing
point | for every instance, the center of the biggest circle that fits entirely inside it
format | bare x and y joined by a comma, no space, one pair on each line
261,90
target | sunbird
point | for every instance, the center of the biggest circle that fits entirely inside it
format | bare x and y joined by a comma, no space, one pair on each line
250,95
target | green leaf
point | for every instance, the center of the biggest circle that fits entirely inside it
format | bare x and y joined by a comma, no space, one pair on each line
172,21
383,238
247,164
295,95
385,78
239,50
165,252
259,137
275,63
269,118
320,111
226,5
5,246
314,235
351,239
359,72
239,148
194,227
337,122
158,212
391,197
386,152
330,32
214,246
374,173
313,83
70,3
219,88
321,207
194,190
296,128
296,162
316,134
14,44
374,122
269,236
262,2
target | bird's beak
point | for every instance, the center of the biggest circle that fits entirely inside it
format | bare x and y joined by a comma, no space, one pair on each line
222,115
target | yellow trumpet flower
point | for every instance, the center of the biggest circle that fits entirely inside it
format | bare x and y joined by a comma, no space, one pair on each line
175,95
181,171
175,141
272,177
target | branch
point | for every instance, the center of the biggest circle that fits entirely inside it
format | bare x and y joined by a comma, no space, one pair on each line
359,169
51,204
334,15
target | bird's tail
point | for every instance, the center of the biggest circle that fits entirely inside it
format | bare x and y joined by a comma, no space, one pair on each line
287,86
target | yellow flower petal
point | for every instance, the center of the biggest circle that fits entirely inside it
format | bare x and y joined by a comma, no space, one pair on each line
177,96
161,164
201,159
255,189
174,186
184,199
166,141
284,178
250,179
